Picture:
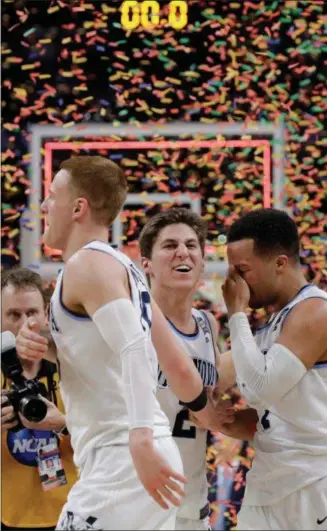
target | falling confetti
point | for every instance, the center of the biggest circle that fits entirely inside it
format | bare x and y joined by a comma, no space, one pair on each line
237,61
66,63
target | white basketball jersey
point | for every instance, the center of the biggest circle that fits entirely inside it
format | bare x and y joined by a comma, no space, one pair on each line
291,441
91,375
191,440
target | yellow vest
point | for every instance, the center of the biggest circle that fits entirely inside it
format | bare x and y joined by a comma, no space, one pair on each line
24,502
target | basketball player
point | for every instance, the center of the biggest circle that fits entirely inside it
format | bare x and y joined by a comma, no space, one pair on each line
101,315
172,249
282,373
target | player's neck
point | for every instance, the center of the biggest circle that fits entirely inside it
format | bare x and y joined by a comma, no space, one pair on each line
294,282
80,237
176,306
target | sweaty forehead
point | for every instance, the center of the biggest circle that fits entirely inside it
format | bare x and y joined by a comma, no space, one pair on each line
177,232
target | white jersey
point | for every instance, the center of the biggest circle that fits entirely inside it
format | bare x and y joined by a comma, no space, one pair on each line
91,375
291,441
191,441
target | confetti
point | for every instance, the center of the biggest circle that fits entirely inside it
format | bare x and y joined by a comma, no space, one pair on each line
234,61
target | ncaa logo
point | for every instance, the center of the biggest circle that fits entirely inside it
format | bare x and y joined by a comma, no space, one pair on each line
24,444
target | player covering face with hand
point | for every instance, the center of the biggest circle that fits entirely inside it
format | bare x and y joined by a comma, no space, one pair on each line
282,373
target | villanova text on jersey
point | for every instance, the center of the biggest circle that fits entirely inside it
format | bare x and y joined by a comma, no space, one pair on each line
207,370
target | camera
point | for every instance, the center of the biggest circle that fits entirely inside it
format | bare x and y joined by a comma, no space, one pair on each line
23,393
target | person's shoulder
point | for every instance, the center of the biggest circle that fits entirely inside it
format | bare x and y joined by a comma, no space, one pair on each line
88,266
306,322
304,331
311,311
212,321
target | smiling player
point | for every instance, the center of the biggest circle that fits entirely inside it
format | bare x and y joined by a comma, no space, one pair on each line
172,248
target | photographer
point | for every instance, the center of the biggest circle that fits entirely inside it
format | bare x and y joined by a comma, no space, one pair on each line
30,497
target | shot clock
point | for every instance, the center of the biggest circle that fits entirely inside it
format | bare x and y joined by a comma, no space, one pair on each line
148,14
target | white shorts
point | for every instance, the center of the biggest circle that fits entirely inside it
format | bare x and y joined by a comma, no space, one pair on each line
304,509
186,524
109,495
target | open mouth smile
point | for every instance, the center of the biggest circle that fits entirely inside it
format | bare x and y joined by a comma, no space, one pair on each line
182,269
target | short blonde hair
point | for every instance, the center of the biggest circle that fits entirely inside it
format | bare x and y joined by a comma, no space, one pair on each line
101,182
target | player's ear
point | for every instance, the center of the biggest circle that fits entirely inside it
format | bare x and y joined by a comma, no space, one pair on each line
146,265
281,262
80,208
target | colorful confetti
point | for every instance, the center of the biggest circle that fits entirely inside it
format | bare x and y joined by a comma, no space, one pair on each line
70,62
252,61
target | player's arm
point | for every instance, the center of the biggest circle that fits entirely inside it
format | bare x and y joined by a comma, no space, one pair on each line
301,344
183,378
227,374
224,362
96,284
244,425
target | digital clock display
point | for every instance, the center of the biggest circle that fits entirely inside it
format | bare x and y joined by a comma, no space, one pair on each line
148,15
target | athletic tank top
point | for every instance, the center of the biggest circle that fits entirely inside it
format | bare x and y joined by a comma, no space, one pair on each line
291,441
191,440
91,376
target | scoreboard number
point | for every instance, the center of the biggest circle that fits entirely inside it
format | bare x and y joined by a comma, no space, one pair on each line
147,14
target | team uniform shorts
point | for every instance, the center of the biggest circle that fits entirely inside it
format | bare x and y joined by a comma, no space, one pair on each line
109,495
304,509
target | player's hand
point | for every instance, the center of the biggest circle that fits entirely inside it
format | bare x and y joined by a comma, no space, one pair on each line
30,344
8,417
218,412
155,473
53,421
223,405
236,292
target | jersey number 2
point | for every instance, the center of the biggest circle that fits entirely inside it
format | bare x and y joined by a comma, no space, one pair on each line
179,431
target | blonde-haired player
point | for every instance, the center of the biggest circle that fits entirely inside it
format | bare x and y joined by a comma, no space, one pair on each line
103,322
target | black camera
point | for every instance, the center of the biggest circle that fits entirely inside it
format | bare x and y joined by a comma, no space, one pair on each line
23,393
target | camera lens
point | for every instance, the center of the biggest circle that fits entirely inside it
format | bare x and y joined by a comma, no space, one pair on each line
33,408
